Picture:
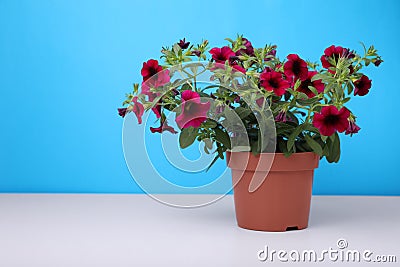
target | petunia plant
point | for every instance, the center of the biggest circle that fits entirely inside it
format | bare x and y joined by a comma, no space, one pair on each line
309,101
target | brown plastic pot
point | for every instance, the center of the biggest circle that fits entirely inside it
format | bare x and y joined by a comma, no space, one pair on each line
282,201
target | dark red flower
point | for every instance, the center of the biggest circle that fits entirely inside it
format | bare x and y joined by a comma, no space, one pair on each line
281,117
353,128
138,109
122,112
362,86
159,77
249,50
331,120
196,53
273,81
150,68
163,127
183,44
295,67
271,54
317,84
220,55
334,52
239,68
378,62
194,113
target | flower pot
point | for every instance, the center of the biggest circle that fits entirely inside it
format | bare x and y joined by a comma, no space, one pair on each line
282,201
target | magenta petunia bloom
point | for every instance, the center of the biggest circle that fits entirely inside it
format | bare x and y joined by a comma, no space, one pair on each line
138,109
183,44
194,113
150,68
317,84
163,127
239,68
331,120
295,67
362,86
273,81
353,128
334,52
220,55
249,50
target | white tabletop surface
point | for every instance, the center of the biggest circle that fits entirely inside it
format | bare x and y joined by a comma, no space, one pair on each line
134,230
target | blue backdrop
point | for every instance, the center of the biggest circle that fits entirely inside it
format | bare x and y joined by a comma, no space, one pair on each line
65,66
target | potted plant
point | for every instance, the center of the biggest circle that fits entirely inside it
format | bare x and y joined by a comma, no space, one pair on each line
290,114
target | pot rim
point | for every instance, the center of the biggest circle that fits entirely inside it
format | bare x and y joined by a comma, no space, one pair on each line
266,162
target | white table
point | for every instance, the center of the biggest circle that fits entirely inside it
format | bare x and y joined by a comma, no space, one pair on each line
134,230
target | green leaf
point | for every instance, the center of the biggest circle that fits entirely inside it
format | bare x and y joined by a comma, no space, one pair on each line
333,143
187,136
307,102
242,112
293,136
222,137
316,147
209,123
186,86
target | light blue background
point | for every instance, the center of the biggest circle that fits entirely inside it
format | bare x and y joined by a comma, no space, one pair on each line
65,66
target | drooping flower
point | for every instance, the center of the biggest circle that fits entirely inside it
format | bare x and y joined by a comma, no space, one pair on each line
353,128
331,120
334,52
138,109
295,67
281,117
194,113
378,62
122,112
273,81
220,55
157,110
163,127
239,68
249,50
317,84
271,54
362,86
150,68
183,44
196,53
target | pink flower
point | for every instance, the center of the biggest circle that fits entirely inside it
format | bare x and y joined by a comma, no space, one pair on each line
296,67
317,84
220,55
362,86
273,81
331,120
138,109
163,127
194,113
